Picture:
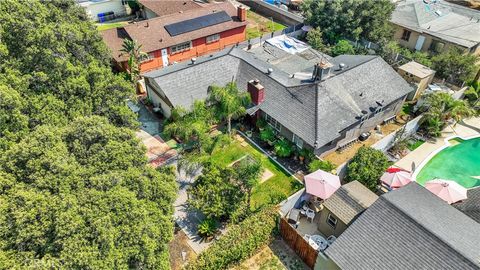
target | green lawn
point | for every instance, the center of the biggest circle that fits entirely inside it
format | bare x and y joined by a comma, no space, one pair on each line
105,26
275,189
414,145
259,25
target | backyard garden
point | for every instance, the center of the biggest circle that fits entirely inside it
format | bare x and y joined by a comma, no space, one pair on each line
237,180
259,25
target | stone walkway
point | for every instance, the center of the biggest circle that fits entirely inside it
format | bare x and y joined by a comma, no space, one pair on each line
468,128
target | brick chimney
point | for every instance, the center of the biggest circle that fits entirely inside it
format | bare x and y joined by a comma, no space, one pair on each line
242,13
257,92
321,70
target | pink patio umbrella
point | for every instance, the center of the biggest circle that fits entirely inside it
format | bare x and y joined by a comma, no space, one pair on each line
321,184
395,177
447,190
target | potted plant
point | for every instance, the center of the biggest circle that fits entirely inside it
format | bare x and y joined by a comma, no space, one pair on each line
249,133
283,148
304,154
261,124
267,135
207,229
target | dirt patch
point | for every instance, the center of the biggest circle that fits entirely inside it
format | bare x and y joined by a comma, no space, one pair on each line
275,256
338,158
180,251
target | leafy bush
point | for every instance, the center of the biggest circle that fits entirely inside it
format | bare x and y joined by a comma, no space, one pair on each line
343,47
207,228
367,166
283,148
261,123
267,135
324,165
240,242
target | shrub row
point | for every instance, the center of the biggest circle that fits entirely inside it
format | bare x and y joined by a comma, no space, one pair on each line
240,242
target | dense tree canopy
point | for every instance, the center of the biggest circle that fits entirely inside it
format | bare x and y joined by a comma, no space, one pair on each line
350,19
367,166
75,190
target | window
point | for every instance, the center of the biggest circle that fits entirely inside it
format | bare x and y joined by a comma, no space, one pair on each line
297,141
213,38
181,47
406,35
147,57
437,46
272,122
332,221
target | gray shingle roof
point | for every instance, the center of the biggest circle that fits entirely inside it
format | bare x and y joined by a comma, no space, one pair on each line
471,206
315,111
350,200
409,228
444,20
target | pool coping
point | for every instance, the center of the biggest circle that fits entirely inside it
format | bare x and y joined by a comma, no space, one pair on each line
436,151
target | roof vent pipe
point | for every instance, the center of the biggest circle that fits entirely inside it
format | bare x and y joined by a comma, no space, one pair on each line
342,66
194,60
269,71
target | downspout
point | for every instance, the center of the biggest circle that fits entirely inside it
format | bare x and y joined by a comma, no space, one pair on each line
315,144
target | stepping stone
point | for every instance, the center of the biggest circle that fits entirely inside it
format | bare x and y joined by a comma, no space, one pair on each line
267,174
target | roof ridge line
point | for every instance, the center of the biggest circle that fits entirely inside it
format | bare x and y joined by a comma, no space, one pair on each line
429,231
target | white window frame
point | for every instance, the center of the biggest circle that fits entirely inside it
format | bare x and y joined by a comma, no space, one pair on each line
184,46
147,57
213,38
273,122
297,141
332,221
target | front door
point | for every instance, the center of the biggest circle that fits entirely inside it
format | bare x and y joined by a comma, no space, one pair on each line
420,41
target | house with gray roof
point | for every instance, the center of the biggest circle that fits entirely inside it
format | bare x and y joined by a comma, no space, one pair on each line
436,25
343,207
316,101
471,206
409,228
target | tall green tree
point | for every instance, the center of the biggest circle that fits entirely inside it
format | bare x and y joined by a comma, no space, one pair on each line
248,176
455,65
315,39
229,102
440,108
353,19
367,166
81,197
75,189
135,54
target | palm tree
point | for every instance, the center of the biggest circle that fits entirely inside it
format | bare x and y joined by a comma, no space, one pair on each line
133,50
229,102
441,108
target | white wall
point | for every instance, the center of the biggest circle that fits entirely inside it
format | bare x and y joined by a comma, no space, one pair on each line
93,8
388,141
158,102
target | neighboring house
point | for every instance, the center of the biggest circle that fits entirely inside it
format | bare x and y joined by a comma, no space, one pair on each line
177,37
103,10
160,8
417,74
471,206
343,207
409,228
318,106
436,25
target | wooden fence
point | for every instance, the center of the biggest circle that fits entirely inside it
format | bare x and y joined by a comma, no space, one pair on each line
297,243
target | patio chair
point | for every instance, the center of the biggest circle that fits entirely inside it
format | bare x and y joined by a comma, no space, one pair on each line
310,214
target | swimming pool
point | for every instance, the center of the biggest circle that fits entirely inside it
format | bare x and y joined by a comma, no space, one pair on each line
459,162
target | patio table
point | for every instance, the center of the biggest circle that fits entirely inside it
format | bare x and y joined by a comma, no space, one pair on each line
318,242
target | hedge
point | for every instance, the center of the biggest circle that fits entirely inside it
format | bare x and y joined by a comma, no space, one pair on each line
240,242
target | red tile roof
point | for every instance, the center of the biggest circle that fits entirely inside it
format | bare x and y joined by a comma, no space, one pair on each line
151,34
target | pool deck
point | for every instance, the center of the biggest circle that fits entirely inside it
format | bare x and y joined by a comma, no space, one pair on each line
466,129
